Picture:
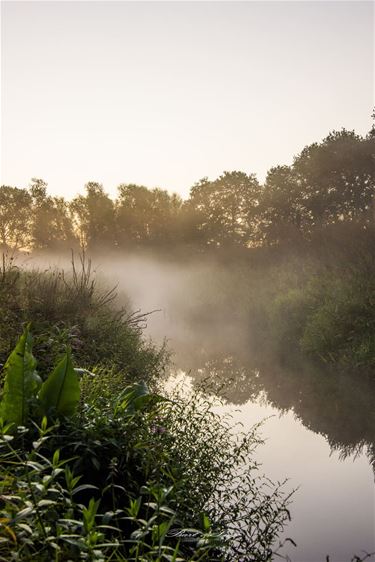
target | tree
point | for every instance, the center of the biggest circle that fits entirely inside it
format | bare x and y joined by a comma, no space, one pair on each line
337,177
226,208
15,218
145,216
133,214
282,212
329,182
93,217
165,212
51,225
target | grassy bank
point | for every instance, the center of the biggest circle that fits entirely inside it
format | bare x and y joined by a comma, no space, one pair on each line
95,466
70,308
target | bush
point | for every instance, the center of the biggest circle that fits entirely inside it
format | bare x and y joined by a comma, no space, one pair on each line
342,326
319,310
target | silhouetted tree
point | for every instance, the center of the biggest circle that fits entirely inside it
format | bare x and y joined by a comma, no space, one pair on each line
337,177
93,217
329,182
133,213
15,218
51,226
146,216
226,208
282,212
165,211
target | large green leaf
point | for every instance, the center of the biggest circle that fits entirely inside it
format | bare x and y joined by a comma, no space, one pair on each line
136,397
21,382
60,392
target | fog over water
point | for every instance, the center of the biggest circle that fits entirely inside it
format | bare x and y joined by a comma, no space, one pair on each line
181,297
321,439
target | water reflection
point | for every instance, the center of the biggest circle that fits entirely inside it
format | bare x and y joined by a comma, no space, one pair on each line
336,405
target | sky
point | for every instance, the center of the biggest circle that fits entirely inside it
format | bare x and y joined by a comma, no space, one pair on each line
165,93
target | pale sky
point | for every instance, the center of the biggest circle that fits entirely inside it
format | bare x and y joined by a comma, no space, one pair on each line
165,93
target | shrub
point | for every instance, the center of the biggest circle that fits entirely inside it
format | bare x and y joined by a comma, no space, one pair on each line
327,314
342,326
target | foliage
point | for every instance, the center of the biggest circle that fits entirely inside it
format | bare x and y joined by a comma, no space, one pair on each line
71,309
15,206
337,176
21,382
220,477
225,208
51,226
23,388
284,215
93,217
60,392
328,313
329,182
342,327
131,476
144,216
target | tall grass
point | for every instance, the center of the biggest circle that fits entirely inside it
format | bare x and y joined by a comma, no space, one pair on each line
69,308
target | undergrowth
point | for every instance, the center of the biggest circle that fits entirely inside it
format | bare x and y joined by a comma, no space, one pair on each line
70,308
130,476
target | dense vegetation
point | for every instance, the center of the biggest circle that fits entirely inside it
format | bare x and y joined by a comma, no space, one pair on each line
328,183
299,248
310,302
95,466
70,309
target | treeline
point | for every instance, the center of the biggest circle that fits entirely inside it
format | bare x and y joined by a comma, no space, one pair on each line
329,182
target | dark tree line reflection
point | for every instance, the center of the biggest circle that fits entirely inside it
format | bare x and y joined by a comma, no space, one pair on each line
336,405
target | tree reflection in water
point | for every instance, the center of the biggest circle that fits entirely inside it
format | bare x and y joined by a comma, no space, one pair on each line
337,405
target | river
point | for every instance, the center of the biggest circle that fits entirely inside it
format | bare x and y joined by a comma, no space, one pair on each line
318,426
333,508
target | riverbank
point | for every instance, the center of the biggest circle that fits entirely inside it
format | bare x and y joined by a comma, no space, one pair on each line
94,465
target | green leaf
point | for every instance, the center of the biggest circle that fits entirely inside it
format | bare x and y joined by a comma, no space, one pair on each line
206,523
131,395
61,392
84,487
21,382
136,397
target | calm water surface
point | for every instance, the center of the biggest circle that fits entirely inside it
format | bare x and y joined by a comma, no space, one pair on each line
333,510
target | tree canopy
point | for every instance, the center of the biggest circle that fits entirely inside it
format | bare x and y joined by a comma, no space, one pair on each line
329,182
